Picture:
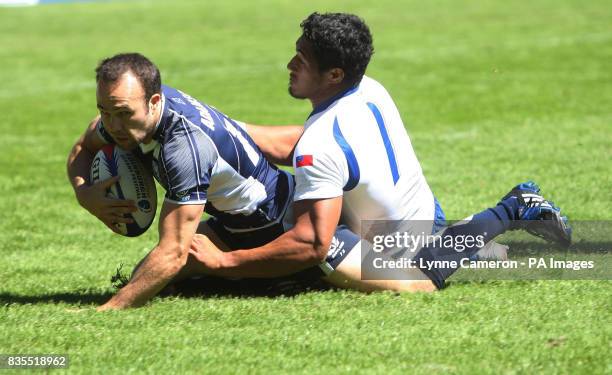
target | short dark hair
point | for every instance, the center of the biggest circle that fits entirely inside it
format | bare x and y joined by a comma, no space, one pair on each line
112,68
339,40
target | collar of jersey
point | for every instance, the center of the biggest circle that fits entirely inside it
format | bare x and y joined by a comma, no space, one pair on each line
159,129
323,106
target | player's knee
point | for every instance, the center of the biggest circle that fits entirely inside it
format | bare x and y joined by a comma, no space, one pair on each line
416,286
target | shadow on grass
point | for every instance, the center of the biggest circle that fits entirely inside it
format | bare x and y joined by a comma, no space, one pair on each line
206,287
539,248
217,287
80,297
194,288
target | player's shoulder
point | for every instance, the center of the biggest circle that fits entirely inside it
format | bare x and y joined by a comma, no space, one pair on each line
185,142
370,83
343,108
318,130
323,128
349,107
178,98
372,90
321,138
185,107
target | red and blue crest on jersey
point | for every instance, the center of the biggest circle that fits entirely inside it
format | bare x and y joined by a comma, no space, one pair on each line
303,161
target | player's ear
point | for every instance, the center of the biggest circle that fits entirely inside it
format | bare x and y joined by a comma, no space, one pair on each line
335,76
154,100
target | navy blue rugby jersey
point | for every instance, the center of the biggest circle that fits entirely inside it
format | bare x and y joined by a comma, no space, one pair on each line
202,156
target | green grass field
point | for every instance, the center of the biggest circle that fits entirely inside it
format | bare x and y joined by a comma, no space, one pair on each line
491,92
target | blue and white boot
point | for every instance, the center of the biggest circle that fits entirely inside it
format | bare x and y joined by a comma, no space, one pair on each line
538,216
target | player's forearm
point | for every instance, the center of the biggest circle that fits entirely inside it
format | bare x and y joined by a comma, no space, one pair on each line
177,227
304,246
276,142
81,156
286,255
78,164
152,275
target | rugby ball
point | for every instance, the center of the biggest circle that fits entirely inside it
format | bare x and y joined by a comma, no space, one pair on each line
136,183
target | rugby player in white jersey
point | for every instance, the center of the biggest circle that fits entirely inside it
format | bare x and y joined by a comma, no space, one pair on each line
355,160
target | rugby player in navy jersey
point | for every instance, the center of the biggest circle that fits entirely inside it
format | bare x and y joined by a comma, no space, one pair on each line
203,159
355,158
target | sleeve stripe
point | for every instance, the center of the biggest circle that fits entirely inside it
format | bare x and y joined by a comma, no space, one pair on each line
386,141
163,162
195,155
184,203
241,124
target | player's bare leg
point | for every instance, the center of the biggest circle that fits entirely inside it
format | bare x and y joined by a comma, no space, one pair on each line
347,275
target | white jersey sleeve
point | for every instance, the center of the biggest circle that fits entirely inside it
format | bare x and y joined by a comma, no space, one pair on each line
319,165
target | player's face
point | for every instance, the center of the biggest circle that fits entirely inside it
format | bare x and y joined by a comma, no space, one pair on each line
305,80
125,113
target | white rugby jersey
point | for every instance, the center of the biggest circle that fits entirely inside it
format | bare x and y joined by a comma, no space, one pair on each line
355,145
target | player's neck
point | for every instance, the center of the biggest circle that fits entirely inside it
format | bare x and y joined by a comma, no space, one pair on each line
328,94
155,119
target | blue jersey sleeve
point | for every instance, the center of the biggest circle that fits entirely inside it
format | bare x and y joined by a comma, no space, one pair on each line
188,158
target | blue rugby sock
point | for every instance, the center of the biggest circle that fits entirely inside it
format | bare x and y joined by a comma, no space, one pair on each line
489,224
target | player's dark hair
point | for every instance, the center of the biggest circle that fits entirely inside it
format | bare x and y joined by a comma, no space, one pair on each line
339,40
111,69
